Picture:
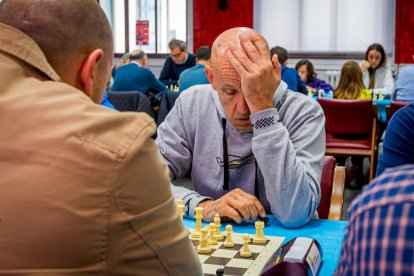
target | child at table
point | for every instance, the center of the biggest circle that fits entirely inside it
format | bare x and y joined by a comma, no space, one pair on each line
351,85
308,75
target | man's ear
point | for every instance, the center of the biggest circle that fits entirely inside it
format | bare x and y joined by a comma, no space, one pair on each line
285,63
210,75
88,71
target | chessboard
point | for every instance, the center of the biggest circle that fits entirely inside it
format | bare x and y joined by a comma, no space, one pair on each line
230,260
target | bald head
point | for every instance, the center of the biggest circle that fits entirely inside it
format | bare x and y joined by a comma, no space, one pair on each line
66,31
231,36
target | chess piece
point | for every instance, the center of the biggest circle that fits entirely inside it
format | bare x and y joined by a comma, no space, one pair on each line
180,206
229,241
203,246
219,272
219,235
259,237
245,250
212,234
199,216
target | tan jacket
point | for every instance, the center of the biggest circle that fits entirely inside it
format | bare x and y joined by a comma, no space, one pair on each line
83,189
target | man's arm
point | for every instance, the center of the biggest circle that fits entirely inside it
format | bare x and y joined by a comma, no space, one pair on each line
291,161
174,144
291,158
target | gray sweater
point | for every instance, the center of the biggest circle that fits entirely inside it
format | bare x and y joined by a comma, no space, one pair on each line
283,158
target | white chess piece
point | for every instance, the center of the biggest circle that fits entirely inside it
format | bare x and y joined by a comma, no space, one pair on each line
229,241
245,250
199,216
219,235
203,246
259,237
212,234
180,206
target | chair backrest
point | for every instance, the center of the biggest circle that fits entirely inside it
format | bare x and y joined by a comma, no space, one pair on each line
395,106
326,186
332,190
347,117
131,101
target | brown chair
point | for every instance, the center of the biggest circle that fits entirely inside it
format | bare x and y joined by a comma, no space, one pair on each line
395,105
351,129
332,189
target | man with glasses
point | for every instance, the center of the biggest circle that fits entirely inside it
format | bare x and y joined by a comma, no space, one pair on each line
251,146
178,61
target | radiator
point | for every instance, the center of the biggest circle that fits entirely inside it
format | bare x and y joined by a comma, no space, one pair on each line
332,77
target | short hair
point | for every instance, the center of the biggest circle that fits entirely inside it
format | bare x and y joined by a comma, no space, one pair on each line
125,57
138,56
176,43
204,53
282,53
48,27
377,47
309,67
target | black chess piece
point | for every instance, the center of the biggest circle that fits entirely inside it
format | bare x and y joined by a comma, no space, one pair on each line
219,272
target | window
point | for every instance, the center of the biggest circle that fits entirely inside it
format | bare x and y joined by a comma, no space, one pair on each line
330,26
146,24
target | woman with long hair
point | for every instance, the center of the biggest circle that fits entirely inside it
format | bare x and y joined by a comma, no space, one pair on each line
376,73
351,85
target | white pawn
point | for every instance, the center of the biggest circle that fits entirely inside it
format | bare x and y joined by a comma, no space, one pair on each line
180,206
229,241
203,246
219,235
212,234
245,250
199,216
259,237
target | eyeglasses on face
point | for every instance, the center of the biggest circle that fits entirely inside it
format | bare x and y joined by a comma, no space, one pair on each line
176,55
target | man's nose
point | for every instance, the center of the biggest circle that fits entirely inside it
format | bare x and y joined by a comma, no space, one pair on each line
242,106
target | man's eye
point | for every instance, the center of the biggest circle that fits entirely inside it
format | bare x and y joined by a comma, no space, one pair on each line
230,91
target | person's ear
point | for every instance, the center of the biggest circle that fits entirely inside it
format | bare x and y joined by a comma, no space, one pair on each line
210,75
88,72
285,63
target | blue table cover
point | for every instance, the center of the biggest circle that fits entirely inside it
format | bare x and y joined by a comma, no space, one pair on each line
329,233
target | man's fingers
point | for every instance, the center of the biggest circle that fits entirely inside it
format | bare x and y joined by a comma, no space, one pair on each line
258,206
258,43
240,69
228,211
241,207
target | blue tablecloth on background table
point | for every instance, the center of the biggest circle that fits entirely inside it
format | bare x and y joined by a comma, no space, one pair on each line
329,233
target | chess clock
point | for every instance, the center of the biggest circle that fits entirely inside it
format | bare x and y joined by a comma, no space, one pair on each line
300,256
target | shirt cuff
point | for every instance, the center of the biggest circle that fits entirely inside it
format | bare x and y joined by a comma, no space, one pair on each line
192,203
264,121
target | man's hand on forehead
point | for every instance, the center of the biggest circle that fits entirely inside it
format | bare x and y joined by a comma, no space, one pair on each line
251,61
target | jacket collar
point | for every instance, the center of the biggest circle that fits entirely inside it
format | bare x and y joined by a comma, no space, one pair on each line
17,44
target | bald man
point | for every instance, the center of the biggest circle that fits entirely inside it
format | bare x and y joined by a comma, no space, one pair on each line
83,188
135,76
251,146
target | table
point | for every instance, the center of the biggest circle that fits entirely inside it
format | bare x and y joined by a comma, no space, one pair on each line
329,233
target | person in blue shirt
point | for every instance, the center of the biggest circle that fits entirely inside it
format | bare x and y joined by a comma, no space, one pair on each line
196,75
177,62
404,84
135,76
289,75
398,146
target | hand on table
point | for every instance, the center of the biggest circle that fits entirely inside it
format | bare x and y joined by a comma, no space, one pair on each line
259,76
236,204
